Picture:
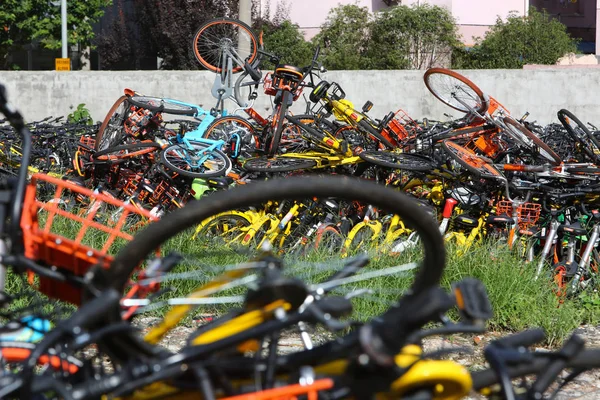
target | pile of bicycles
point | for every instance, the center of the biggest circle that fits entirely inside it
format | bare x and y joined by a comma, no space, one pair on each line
55,144
96,352
486,175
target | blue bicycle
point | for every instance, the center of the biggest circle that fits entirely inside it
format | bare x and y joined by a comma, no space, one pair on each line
189,154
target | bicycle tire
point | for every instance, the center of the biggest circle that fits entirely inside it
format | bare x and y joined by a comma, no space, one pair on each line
311,128
280,118
544,150
210,57
329,239
471,161
589,143
157,104
359,237
403,161
219,224
224,128
154,235
480,104
110,132
278,164
175,157
587,359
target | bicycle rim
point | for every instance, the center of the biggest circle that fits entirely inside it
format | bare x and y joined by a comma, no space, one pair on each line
402,161
217,36
110,132
194,162
454,89
278,164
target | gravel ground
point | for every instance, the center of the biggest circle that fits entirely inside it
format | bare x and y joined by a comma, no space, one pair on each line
585,387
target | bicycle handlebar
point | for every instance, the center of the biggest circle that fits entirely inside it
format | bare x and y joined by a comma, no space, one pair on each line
521,339
522,167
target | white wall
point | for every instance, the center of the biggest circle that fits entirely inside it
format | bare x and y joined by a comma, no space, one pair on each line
542,92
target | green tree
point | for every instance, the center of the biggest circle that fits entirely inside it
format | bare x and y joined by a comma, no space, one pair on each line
416,37
343,37
287,41
280,36
535,39
24,21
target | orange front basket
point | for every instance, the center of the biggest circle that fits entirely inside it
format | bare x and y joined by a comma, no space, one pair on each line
73,228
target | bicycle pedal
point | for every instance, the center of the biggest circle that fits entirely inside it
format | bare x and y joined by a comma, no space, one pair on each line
472,300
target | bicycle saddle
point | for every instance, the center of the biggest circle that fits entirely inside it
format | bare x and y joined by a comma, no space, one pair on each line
573,229
289,71
466,220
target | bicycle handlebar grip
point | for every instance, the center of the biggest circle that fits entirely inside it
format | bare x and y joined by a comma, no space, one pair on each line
513,167
523,168
571,348
253,72
567,195
521,339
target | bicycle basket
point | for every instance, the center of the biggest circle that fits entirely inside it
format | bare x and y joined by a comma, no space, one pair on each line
504,207
397,125
268,88
528,214
73,229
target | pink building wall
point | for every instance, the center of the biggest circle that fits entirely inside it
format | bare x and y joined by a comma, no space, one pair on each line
473,16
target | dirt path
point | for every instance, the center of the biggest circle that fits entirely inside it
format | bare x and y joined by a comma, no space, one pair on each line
469,353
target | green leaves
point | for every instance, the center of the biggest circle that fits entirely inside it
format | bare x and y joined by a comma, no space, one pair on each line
286,41
344,37
401,37
81,114
535,39
416,37
23,21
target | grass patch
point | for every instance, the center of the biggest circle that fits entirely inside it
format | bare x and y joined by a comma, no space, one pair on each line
519,301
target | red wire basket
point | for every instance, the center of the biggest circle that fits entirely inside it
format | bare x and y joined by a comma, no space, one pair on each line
61,231
398,124
528,214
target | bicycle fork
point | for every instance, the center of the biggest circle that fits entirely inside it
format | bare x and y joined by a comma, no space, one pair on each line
550,240
585,259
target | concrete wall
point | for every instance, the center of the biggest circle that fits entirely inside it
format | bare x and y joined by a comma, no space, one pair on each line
542,92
